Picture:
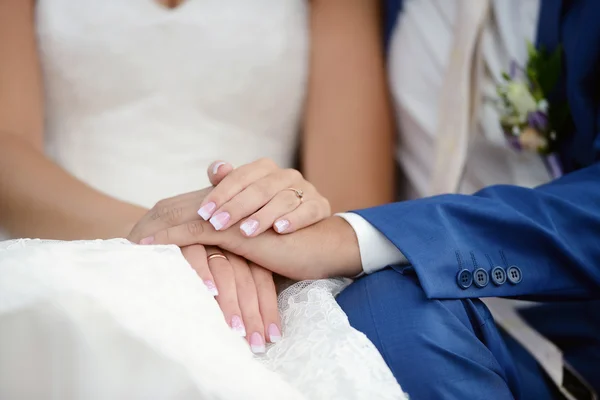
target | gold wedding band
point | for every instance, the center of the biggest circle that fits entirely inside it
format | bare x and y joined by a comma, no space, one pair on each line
217,255
299,193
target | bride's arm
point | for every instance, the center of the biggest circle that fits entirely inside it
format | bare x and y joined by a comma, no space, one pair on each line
348,129
38,198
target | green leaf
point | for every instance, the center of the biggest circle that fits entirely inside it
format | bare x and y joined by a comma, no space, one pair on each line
531,50
506,77
549,70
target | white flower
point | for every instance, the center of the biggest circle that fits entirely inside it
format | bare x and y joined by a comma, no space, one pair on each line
543,106
520,97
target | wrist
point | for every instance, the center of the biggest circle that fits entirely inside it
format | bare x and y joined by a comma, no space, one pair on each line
342,250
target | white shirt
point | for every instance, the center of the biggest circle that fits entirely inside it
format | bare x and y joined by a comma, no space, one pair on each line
419,54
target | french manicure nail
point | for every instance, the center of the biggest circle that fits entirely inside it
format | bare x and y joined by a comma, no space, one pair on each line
206,210
238,326
148,240
274,333
216,167
282,225
212,288
220,220
249,227
257,343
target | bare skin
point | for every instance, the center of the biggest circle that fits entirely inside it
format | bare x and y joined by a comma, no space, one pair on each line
40,199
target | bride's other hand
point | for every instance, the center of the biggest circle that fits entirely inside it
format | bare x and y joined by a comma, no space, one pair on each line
247,297
266,195
196,256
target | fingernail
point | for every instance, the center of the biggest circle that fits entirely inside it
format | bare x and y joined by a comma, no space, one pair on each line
206,210
274,333
220,220
148,240
282,225
212,288
249,227
238,326
257,343
216,167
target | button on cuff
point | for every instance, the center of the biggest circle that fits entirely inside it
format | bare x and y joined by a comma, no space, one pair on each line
481,278
498,276
464,279
514,275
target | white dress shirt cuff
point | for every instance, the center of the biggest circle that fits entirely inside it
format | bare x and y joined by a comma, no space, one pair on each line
376,251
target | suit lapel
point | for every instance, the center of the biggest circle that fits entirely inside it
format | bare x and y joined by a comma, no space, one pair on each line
581,38
548,33
574,25
391,10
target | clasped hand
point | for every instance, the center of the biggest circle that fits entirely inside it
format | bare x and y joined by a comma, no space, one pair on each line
225,234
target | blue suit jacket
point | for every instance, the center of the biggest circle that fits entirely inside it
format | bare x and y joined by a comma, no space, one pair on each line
551,233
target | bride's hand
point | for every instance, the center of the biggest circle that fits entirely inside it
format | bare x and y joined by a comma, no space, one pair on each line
244,291
266,195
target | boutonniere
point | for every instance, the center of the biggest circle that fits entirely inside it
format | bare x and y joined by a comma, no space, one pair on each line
529,121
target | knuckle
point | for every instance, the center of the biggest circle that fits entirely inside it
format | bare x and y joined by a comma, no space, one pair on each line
237,181
160,204
312,212
293,174
263,189
166,212
195,228
267,163
155,212
172,215
237,206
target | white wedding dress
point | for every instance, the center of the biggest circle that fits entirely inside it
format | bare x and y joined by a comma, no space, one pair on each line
139,100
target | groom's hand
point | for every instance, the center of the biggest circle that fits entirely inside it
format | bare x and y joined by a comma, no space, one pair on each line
326,249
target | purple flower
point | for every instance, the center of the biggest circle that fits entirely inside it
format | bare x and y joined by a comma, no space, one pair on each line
513,140
537,120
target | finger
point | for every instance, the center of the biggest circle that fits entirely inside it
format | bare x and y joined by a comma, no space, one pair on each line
194,232
267,302
309,213
236,181
196,256
254,197
282,204
224,276
167,213
217,171
248,301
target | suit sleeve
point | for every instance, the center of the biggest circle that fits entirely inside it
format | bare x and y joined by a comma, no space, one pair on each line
545,240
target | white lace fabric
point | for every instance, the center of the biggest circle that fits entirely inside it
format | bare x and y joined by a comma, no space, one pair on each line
109,319
139,101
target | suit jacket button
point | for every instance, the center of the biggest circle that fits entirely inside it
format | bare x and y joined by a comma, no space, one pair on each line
480,278
498,276
464,279
514,275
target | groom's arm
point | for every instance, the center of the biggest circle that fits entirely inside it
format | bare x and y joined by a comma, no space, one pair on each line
551,235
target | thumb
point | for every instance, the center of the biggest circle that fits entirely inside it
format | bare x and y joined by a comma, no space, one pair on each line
217,171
